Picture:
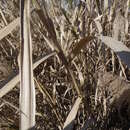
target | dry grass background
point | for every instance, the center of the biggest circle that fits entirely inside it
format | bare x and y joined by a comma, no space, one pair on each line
86,56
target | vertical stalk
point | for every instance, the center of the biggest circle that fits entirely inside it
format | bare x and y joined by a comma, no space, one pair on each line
27,89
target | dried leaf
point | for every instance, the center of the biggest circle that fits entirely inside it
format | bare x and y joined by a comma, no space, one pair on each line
13,79
80,45
9,28
69,123
118,47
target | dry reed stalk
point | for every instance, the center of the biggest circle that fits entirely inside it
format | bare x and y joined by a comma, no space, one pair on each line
27,89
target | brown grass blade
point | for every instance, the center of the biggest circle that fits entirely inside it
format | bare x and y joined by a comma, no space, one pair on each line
71,24
9,84
51,102
88,5
11,105
98,4
48,23
69,123
80,74
80,45
98,24
13,79
3,17
9,28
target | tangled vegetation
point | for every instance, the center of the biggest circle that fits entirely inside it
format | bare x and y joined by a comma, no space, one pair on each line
78,79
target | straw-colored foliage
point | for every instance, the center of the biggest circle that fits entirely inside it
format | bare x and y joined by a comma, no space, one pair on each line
64,64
